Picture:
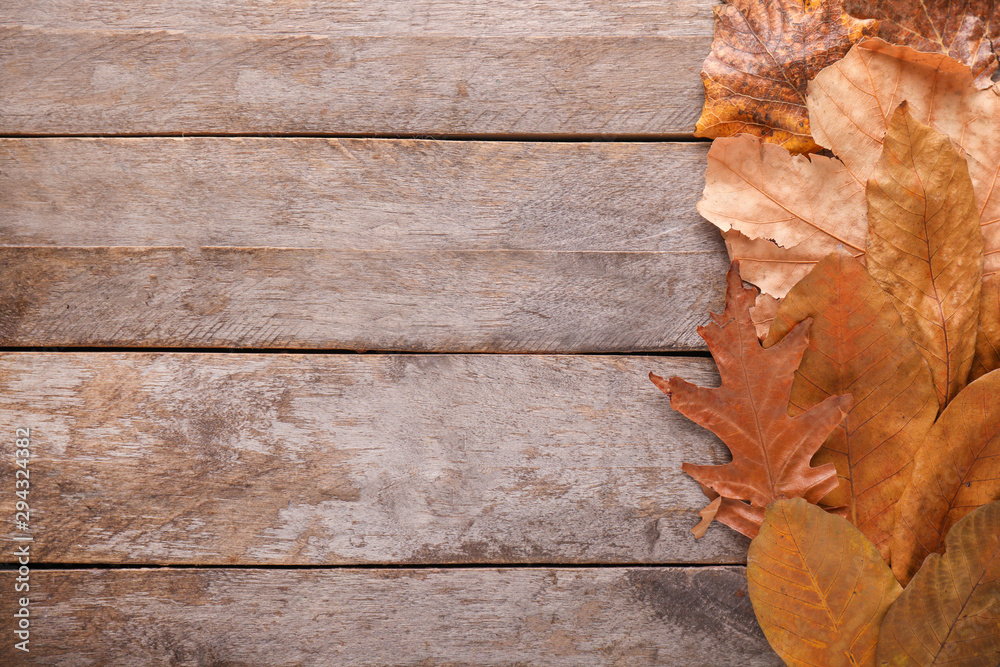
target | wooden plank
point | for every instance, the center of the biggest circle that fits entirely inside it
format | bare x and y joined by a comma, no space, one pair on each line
376,17
85,81
362,194
346,459
355,244
546,616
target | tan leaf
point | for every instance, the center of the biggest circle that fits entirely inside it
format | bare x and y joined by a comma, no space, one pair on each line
858,345
925,248
988,335
763,312
707,515
818,587
965,32
956,470
850,105
950,613
765,193
763,55
749,412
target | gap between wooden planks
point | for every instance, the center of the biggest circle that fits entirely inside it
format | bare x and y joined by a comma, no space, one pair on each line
538,616
155,458
362,244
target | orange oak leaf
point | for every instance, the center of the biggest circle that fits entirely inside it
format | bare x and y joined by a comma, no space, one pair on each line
818,587
749,412
925,247
803,205
850,105
965,30
763,55
956,469
950,613
859,345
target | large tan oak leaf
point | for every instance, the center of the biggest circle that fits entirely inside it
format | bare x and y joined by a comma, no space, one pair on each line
950,613
762,58
925,248
964,30
851,104
749,412
957,469
818,587
808,206
858,345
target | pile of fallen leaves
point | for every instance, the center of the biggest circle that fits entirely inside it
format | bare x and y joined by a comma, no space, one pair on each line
859,392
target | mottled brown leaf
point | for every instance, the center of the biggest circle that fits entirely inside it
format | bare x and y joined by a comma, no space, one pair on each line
763,55
858,345
807,206
957,469
749,412
850,106
818,586
950,613
925,248
964,30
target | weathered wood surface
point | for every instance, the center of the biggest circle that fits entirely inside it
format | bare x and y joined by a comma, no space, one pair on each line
359,459
545,616
131,81
377,17
361,194
355,244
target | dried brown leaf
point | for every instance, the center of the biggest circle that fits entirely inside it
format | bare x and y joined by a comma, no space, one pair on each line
850,106
988,336
859,345
806,205
950,613
763,55
956,469
749,412
925,248
818,587
965,31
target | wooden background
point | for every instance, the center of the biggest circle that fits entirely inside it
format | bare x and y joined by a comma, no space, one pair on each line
332,320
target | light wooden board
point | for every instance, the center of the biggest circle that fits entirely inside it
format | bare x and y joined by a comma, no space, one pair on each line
377,17
355,244
346,459
115,81
547,616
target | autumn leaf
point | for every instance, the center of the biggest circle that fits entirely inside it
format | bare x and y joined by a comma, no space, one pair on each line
964,31
849,104
988,336
749,412
925,247
763,55
957,469
772,198
819,588
950,613
859,345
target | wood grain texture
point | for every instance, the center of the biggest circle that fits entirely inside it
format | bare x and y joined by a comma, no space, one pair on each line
377,17
544,616
355,244
86,81
362,194
347,459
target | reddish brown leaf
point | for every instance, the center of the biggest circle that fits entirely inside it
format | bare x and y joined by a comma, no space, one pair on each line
988,335
964,30
763,55
950,612
956,470
859,345
749,412
818,587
